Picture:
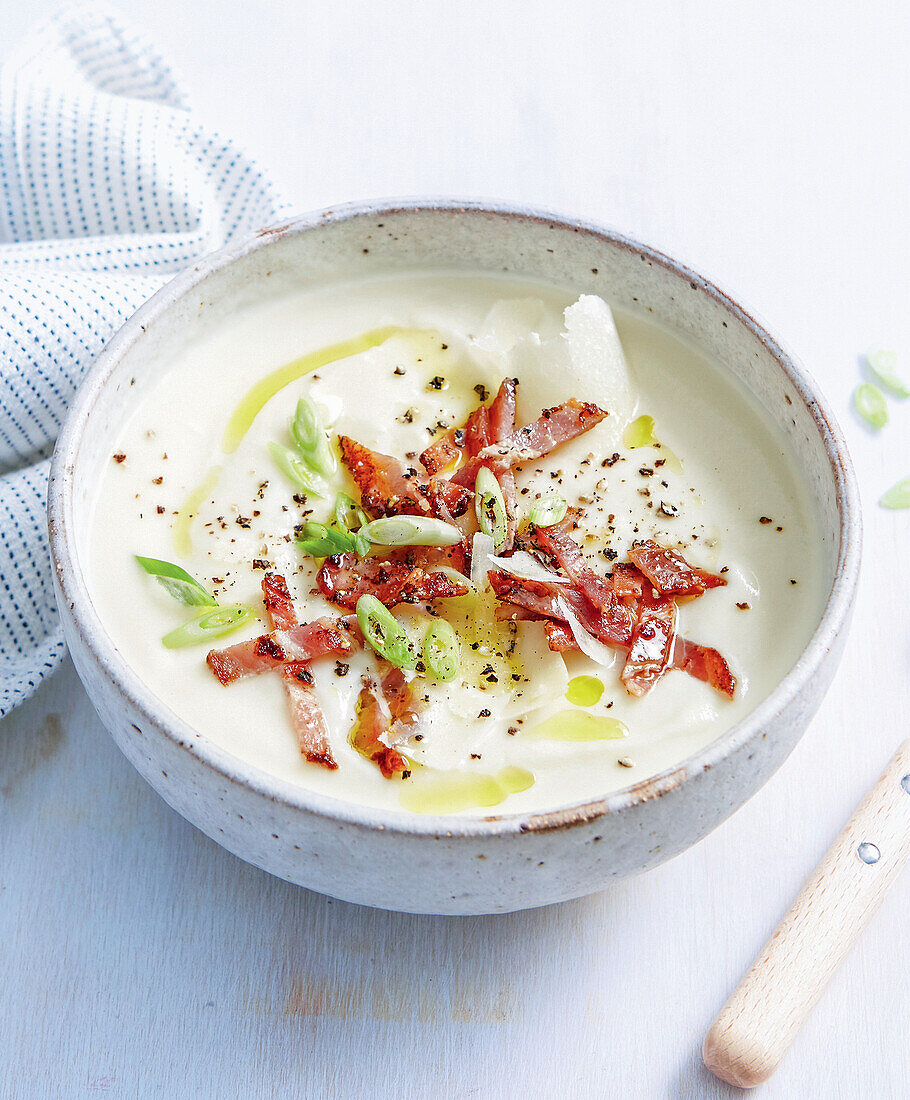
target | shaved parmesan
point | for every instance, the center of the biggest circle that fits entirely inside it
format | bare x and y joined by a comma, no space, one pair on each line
527,567
589,645
481,560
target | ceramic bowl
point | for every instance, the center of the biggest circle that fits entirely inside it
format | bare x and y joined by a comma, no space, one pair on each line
442,864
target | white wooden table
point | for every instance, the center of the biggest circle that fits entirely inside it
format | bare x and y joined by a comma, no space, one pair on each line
768,146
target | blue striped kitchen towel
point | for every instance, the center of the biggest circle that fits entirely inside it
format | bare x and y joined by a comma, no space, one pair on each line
108,187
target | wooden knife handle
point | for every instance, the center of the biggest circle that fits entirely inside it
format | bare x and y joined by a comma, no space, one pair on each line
756,1026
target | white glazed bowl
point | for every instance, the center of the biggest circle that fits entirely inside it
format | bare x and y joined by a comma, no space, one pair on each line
442,864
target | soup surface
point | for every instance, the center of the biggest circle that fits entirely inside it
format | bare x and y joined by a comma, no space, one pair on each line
684,459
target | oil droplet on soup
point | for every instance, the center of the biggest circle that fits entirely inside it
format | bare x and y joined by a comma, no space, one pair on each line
578,725
584,691
445,792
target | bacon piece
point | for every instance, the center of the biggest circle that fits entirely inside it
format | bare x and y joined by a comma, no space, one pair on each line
373,720
669,571
304,642
652,646
443,453
599,591
704,663
502,426
306,715
554,426
477,431
278,603
542,599
389,487
454,445
627,582
560,637
399,578
386,485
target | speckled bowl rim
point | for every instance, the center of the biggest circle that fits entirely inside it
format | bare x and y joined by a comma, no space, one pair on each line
74,589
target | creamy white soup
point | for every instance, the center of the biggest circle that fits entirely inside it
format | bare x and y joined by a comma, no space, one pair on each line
632,572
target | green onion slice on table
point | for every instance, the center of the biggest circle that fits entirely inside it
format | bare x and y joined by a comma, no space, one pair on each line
898,496
870,404
883,364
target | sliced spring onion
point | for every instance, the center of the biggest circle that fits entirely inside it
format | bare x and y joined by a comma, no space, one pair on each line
294,468
411,531
319,541
178,583
589,645
640,433
883,364
548,510
527,567
311,440
870,404
898,496
208,625
348,513
490,506
442,651
384,633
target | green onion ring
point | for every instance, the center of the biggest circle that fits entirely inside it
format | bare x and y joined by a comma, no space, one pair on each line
898,496
411,531
210,624
548,510
442,651
883,364
870,404
311,440
178,583
384,633
294,469
490,506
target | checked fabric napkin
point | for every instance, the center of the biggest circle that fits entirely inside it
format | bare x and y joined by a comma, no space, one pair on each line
108,187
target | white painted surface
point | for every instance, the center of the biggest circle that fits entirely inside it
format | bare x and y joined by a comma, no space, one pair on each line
767,147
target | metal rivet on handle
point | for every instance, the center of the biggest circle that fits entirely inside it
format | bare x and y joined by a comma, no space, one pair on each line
905,783
868,853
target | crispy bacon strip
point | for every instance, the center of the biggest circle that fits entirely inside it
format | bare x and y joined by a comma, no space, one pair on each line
704,663
477,431
669,571
627,582
554,426
389,487
373,720
652,646
399,578
454,445
600,591
303,642
444,453
559,637
306,715
542,600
